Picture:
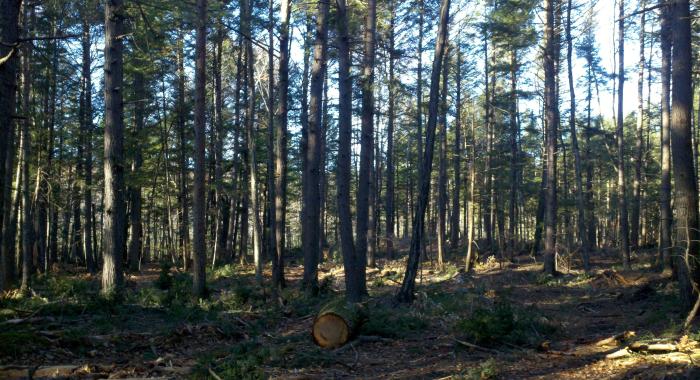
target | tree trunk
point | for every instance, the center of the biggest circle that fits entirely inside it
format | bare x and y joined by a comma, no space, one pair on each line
486,191
184,218
27,225
87,142
665,191
442,170
457,155
281,149
686,191
347,245
552,121
405,294
639,142
311,199
580,203
199,251
9,32
114,205
251,201
621,184
270,249
514,133
366,149
390,170
219,134
135,192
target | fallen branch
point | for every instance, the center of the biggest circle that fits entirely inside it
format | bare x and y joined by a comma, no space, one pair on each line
213,374
623,353
653,348
616,339
474,346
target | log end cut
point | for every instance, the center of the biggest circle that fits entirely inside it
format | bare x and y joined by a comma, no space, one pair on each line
330,331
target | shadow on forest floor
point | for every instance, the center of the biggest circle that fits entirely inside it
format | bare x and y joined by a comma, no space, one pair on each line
504,320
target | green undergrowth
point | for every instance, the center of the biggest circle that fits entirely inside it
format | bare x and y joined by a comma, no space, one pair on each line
389,321
504,323
247,359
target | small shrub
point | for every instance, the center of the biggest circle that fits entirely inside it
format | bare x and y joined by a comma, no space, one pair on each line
164,280
392,322
484,371
503,324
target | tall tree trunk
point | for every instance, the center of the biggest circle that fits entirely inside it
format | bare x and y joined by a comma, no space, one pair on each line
184,217
457,154
366,147
442,170
219,134
87,125
347,246
405,294
250,139
514,133
621,184
281,149
580,202
199,249
114,205
271,250
27,225
9,32
665,191
472,197
486,191
390,170
686,191
135,192
639,142
311,224
419,84
552,122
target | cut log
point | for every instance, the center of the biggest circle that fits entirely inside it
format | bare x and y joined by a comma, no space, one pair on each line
336,323
623,353
653,347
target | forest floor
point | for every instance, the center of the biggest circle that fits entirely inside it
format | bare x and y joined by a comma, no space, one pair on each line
504,321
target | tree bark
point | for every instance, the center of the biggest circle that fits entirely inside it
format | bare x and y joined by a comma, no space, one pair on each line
442,170
405,293
184,218
347,245
457,154
621,184
391,116
278,279
552,121
114,205
199,251
27,225
9,32
639,141
219,134
270,249
366,147
665,191
88,129
686,191
311,224
580,202
135,193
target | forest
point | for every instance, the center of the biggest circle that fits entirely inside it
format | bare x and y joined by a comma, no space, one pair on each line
371,189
